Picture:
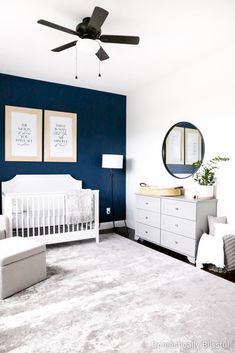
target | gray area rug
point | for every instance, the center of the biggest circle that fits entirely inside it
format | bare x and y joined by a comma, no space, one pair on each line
119,297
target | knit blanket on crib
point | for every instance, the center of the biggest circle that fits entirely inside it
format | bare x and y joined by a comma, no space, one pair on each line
79,206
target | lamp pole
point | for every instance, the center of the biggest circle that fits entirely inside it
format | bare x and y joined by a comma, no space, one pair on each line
112,161
112,197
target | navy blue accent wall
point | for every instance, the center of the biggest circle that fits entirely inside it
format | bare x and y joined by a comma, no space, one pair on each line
101,129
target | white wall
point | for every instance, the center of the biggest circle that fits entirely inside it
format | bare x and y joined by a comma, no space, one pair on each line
202,93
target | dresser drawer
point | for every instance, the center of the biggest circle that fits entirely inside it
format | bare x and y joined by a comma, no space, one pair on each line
179,209
148,217
178,225
178,243
147,232
148,203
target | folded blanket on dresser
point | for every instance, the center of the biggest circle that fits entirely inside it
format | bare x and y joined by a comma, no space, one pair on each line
79,206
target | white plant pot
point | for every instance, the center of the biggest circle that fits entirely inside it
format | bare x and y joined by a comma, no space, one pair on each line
205,191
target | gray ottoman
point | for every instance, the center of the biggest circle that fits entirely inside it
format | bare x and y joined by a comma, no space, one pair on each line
22,264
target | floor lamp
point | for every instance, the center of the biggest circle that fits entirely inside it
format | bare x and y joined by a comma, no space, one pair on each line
112,161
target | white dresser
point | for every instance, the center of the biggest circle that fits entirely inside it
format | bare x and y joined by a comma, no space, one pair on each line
176,223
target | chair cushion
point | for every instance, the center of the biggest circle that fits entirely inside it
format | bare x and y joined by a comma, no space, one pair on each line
223,229
17,248
212,220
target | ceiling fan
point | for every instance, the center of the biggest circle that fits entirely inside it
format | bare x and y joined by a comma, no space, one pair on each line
90,28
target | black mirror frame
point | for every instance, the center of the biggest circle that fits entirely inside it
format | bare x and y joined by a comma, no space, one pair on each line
193,169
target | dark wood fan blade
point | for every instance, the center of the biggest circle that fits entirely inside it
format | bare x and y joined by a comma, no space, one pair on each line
65,46
97,18
119,39
101,54
55,26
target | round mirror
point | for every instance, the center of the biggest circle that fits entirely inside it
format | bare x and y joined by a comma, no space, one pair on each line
182,147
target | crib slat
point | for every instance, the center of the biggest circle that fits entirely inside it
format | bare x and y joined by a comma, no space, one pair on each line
43,216
53,214
27,215
16,219
63,205
22,218
58,214
33,212
48,215
37,213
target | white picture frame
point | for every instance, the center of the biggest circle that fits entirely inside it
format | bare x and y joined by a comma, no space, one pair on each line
23,134
175,146
193,146
60,136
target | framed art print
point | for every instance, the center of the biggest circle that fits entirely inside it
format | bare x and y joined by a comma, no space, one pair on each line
193,144
23,134
60,136
175,146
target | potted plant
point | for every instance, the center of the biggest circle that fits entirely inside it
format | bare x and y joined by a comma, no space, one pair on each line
206,175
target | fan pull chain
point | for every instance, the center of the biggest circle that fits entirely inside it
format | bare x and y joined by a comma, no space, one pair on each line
99,75
99,70
76,68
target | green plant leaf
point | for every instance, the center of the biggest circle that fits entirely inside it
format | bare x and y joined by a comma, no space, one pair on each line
206,173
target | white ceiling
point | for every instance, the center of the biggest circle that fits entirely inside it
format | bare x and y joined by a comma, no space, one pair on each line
173,34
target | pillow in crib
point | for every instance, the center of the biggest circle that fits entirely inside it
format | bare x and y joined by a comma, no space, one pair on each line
223,229
212,220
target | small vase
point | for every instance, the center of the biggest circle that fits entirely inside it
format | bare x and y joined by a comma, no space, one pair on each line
205,191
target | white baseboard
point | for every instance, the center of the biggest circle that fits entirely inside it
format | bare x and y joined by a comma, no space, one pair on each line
109,225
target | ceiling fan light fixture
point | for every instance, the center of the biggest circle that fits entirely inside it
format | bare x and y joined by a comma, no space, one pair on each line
89,35
87,45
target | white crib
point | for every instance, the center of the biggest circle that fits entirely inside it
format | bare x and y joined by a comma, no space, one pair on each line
35,206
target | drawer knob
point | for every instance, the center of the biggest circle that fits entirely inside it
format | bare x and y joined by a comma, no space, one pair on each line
146,203
176,242
176,225
146,217
146,232
177,208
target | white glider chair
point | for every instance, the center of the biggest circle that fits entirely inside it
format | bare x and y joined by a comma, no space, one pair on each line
218,247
